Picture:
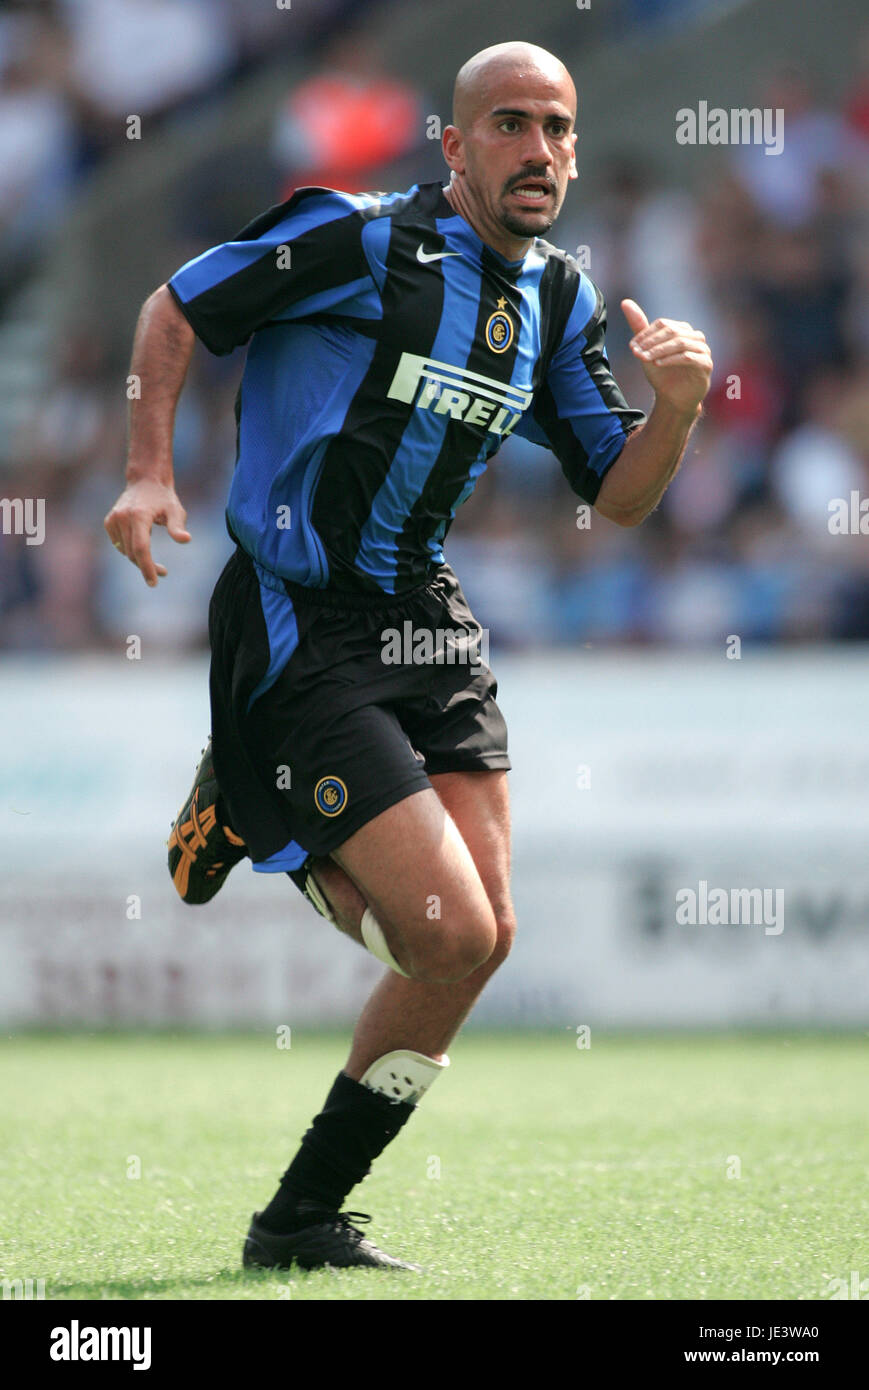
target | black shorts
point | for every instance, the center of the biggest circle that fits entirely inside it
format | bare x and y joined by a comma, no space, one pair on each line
326,709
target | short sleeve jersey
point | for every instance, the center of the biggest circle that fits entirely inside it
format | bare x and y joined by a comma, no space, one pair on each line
391,352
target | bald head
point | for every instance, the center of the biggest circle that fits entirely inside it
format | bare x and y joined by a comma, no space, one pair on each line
511,146
480,78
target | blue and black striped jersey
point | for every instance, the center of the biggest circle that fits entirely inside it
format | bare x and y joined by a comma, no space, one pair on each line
391,353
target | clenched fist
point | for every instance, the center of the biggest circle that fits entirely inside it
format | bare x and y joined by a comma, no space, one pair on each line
674,356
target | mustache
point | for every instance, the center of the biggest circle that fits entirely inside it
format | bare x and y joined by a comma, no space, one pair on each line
527,174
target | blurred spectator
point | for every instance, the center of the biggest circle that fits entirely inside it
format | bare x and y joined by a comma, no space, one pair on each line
143,58
857,100
746,394
76,415
260,28
815,463
769,257
705,495
37,138
784,186
805,300
598,586
340,125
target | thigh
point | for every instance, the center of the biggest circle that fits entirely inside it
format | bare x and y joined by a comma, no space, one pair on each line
479,805
438,862
419,878
412,864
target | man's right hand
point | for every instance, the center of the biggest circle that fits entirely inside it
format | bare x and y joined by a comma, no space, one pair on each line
140,506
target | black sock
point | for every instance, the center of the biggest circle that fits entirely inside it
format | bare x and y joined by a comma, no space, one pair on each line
354,1126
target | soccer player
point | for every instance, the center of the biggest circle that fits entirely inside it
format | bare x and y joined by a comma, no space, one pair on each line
395,341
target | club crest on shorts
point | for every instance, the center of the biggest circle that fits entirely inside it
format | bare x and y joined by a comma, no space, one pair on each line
499,329
330,795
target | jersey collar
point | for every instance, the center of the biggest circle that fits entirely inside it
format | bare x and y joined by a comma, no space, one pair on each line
463,230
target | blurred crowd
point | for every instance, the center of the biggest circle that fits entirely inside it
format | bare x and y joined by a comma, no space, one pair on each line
72,72
769,256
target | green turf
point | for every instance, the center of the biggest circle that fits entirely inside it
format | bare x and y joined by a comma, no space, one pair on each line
600,1173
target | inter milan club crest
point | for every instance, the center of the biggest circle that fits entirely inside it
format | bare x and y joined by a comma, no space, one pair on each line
499,329
330,795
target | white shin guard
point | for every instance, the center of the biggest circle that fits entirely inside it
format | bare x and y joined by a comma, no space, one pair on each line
403,1075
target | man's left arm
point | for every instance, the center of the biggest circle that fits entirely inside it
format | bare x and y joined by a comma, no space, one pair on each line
678,366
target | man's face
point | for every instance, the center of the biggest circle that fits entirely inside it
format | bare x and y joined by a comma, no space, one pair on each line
517,153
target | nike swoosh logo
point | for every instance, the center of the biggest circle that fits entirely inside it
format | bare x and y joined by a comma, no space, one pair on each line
425,256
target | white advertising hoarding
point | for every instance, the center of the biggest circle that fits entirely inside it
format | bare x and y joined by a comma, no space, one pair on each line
689,849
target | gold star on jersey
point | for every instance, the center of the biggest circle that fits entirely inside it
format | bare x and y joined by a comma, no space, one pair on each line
499,328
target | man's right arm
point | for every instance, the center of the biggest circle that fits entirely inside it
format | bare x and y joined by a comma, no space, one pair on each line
303,256
162,348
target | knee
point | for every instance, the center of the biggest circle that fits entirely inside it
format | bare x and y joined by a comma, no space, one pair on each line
505,935
449,952
449,956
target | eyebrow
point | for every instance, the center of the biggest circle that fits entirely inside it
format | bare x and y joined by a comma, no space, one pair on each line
517,111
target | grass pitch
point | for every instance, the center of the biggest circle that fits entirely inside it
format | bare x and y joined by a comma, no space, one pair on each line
712,1167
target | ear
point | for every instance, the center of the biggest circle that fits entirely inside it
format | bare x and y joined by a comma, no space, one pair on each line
454,148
